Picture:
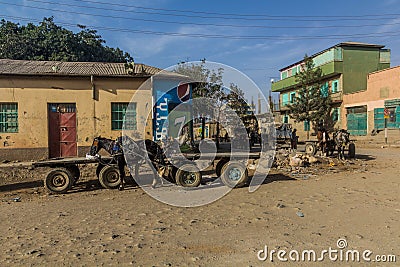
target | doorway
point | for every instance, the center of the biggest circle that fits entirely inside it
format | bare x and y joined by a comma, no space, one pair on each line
62,130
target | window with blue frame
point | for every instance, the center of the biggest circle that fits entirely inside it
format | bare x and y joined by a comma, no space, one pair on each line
8,117
123,113
306,125
335,114
335,86
286,118
292,97
285,99
294,71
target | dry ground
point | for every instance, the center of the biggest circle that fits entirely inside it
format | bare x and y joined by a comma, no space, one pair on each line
92,226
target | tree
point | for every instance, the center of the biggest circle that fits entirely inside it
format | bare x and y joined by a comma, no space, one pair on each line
312,102
236,101
208,85
48,41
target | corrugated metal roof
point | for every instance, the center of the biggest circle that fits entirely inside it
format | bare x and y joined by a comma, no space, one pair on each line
30,67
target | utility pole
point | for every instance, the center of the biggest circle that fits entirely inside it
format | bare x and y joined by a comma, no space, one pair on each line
386,114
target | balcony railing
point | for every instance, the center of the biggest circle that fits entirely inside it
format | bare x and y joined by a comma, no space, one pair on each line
337,97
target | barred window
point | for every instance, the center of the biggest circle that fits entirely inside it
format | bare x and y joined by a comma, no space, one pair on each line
8,117
335,114
123,113
335,86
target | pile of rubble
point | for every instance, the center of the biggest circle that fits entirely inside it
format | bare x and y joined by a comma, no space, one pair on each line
300,165
285,160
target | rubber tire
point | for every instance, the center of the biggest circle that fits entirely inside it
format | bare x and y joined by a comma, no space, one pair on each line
65,183
109,177
352,151
74,169
244,176
181,173
310,149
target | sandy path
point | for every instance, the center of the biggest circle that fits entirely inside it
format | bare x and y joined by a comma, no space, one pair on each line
103,227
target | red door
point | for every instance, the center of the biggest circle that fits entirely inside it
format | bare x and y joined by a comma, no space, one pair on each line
62,130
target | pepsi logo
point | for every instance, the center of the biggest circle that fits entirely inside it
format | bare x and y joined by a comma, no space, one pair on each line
184,92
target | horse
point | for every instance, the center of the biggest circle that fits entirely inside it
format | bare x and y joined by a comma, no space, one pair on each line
342,138
323,141
136,152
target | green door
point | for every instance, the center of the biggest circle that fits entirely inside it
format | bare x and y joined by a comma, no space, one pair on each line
379,119
357,123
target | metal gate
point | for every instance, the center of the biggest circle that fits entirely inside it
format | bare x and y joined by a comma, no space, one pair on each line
397,112
379,119
62,130
357,123
393,122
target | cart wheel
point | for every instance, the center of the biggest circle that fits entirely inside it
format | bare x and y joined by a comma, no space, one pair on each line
98,169
352,151
76,173
110,177
188,175
234,174
59,180
311,149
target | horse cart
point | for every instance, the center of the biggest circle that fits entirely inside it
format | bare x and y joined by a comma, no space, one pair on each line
341,142
283,135
65,172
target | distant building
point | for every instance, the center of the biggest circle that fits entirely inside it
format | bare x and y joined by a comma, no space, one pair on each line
55,109
345,68
383,91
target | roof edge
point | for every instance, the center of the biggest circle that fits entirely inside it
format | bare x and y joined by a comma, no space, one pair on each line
354,44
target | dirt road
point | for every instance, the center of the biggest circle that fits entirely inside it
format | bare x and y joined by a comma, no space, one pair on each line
93,226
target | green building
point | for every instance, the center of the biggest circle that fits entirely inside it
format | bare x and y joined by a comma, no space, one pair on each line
345,68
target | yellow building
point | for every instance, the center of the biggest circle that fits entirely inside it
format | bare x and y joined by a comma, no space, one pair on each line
55,109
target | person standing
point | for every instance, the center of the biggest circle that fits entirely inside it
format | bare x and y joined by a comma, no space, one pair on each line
293,140
252,138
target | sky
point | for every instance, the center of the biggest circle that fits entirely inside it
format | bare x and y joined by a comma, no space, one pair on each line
255,37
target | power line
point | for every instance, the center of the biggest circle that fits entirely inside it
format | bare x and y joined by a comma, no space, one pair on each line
270,18
201,24
230,14
218,36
